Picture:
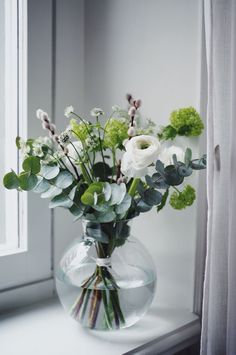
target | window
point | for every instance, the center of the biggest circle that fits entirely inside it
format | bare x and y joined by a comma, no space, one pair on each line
25,242
13,58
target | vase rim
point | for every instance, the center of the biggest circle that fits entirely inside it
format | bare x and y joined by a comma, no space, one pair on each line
84,220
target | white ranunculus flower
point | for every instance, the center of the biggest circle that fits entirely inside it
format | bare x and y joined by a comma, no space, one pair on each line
166,155
141,151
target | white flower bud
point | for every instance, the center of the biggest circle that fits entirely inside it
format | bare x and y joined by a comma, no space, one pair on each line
137,103
39,113
46,125
132,111
131,131
44,117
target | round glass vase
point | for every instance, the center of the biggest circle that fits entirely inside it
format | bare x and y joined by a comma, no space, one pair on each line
106,279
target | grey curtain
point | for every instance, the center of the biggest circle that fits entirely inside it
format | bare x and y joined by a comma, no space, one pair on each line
219,300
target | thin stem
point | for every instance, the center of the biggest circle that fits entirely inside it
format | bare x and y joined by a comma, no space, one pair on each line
113,162
84,170
176,189
101,149
133,187
85,123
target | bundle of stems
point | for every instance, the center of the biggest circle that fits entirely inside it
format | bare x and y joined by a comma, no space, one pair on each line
100,289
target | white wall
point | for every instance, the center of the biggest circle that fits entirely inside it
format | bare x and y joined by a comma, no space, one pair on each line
151,49
69,89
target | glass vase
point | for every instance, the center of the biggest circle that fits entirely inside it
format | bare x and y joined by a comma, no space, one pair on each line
106,279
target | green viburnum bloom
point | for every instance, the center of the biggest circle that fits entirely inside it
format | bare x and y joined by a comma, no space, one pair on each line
115,133
80,130
187,122
181,200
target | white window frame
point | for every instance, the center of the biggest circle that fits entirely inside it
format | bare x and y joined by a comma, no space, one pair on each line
26,266
15,113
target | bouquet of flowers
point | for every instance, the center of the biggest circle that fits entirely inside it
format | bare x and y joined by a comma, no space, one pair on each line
109,171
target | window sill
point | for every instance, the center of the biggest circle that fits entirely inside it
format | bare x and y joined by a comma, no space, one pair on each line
46,329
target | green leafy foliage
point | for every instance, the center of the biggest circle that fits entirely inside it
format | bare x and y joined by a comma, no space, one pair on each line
11,181
31,165
182,199
163,201
115,133
199,164
51,192
102,171
50,171
64,179
80,130
42,186
18,142
187,122
27,181
167,132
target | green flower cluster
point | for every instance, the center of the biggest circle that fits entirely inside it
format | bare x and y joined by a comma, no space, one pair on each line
115,133
187,122
180,200
80,130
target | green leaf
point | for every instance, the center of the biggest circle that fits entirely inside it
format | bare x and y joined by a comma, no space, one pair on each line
60,201
77,210
184,170
107,191
163,201
64,179
124,205
27,181
188,156
87,198
18,142
117,194
174,157
31,165
50,171
199,164
172,177
160,168
101,170
159,181
42,185
105,217
11,181
51,192
168,132
142,206
102,208
152,197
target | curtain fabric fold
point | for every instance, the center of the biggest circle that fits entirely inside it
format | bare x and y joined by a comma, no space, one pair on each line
219,299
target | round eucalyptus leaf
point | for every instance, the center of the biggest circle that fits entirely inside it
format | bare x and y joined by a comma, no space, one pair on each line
64,179
184,170
51,192
11,181
50,171
172,177
124,205
42,185
117,194
27,181
60,201
152,197
31,165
